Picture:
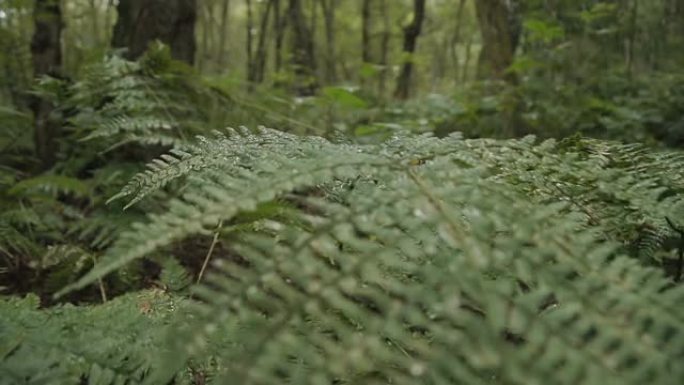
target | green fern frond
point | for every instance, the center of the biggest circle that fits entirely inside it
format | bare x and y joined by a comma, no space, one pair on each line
439,261
50,184
107,344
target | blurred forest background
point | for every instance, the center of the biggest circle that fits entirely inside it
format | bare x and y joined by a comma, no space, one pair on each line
486,68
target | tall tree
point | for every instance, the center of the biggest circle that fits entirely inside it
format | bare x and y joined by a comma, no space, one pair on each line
411,33
279,24
47,60
500,28
384,48
330,56
223,34
257,69
303,60
170,21
366,31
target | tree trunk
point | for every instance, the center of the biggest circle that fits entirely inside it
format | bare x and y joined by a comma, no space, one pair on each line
47,60
225,8
411,33
500,36
256,72
384,49
250,40
501,28
141,22
329,16
456,39
303,60
280,22
365,31
203,54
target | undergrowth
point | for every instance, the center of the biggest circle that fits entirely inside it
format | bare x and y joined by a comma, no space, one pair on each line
263,257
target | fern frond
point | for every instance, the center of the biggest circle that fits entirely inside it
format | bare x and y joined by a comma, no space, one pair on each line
107,344
439,261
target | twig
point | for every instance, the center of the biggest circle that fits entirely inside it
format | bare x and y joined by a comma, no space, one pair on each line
211,250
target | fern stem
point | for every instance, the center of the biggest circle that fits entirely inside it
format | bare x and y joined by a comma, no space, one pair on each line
100,284
103,293
210,252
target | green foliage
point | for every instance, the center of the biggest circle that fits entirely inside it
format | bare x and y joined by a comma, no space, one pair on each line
107,344
365,252
419,260
153,102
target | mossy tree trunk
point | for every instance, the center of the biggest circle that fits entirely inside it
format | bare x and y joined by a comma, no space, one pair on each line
172,22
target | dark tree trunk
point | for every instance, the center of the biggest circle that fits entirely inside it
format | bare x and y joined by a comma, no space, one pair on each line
280,22
329,17
366,31
47,60
500,30
172,22
411,33
256,72
250,39
225,8
303,59
384,49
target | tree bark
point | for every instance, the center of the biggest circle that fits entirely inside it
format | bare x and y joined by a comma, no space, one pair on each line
257,71
280,22
47,60
365,31
456,38
303,59
330,56
500,31
172,22
384,49
411,33
225,13
250,40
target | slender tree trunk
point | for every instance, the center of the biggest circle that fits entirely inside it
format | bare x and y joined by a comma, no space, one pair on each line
256,75
95,16
171,21
280,22
500,37
411,33
205,15
303,59
329,16
250,41
630,40
384,49
314,20
223,34
456,38
366,31
47,60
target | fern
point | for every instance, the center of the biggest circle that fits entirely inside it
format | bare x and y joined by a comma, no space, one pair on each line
152,102
418,260
108,344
